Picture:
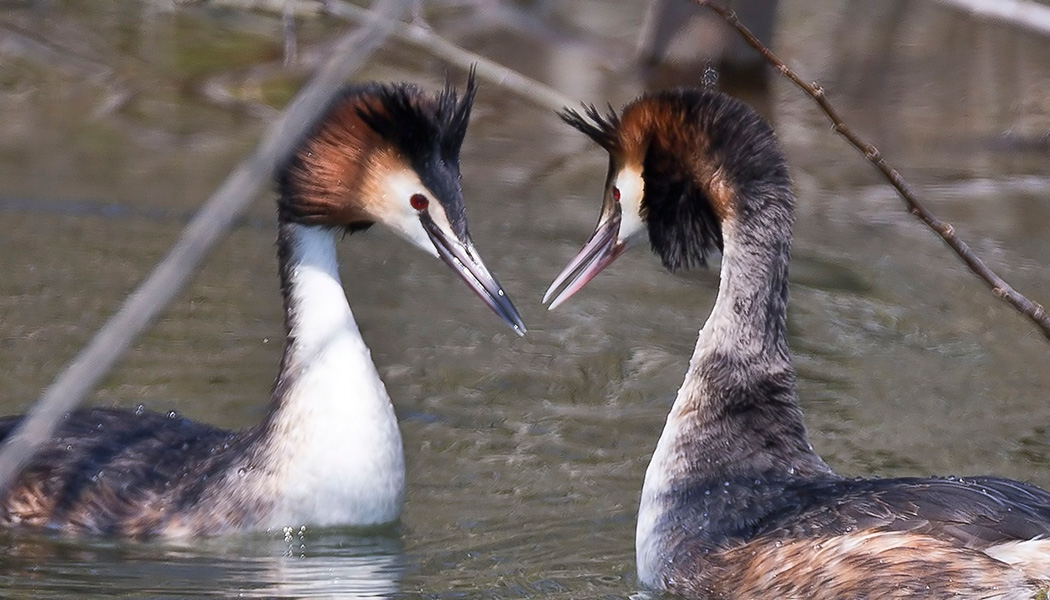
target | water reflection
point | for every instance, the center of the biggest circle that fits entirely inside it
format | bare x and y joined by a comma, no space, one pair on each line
302,564
325,565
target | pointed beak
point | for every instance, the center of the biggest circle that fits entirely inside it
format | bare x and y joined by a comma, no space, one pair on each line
599,252
467,264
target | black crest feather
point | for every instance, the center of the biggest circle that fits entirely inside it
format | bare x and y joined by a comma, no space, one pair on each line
424,129
670,131
603,129
403,117
429,131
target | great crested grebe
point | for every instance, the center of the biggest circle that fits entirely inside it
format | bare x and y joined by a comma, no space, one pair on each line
329,450
736,504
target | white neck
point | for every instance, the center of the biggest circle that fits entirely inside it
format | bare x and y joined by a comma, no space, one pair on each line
333,447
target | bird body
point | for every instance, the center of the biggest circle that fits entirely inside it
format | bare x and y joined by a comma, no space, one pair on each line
735,502
328,451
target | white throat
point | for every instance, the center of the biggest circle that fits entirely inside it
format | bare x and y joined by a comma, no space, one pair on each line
335,450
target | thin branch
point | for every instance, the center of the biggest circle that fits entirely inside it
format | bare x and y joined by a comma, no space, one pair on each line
1019,13
18,42
440,47
288,27
1034,311
425,38
202,233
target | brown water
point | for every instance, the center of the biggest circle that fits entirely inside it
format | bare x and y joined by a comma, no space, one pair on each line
525,455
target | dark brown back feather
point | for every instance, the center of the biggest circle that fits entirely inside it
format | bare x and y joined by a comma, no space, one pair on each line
113,472
973,512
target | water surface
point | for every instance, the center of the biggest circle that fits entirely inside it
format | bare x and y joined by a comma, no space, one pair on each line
525,455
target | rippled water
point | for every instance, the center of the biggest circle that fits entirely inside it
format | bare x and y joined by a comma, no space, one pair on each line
525,455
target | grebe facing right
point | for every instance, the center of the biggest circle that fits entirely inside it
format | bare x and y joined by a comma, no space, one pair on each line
328,451
735,503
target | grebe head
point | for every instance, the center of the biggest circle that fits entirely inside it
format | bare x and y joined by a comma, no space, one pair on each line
389,154
681,164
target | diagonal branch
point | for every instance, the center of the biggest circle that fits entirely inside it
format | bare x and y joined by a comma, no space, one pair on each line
423,37
438,46
1034,311
212,221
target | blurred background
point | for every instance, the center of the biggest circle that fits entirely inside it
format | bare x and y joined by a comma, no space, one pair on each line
525,455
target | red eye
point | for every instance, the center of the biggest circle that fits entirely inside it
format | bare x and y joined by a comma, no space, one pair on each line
419,201
616,194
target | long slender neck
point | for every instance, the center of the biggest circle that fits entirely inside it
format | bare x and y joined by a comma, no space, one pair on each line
748,324
736,420
737,412
316,313
330,438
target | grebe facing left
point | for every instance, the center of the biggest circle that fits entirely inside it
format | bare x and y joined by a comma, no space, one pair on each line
329,450
735,503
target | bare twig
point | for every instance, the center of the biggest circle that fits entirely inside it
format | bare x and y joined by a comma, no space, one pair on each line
417,34
1034,311
288,26
447,51
18,42
1019,13
207,227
